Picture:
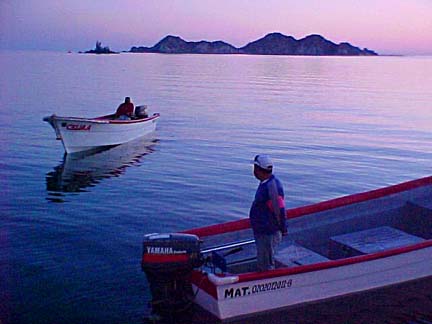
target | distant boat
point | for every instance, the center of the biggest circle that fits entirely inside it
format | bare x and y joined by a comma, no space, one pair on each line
337,247
81,134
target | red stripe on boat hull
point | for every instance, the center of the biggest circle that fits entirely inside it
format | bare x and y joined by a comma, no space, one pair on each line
165,258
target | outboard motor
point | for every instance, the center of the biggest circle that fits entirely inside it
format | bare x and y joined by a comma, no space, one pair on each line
168,261
141,111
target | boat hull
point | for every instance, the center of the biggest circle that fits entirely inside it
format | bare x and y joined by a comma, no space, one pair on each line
342,246
80,134
245,298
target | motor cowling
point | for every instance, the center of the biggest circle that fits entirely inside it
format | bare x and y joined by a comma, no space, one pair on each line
168,261
141,111
170,253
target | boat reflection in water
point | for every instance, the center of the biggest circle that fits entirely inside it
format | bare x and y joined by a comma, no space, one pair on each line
80,171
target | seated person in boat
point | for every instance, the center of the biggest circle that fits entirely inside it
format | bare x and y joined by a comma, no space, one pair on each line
267,213
126,110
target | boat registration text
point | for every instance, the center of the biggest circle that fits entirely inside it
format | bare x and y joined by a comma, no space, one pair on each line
77,127
257,288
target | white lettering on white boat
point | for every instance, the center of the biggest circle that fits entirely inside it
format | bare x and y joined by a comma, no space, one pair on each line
257,288
163,250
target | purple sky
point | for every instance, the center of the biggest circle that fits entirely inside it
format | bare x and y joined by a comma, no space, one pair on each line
386,26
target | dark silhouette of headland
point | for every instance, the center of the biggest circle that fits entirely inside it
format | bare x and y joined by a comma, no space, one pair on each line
99,49
271,44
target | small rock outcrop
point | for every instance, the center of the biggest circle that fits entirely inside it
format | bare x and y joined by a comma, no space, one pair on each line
99,49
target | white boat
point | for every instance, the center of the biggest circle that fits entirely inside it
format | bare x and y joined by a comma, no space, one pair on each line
82,134
334,248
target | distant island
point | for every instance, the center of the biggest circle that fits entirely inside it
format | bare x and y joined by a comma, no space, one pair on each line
271,44
99,49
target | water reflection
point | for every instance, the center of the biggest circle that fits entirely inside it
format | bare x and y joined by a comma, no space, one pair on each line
81,171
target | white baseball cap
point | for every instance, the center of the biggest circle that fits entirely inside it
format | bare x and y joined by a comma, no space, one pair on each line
264,162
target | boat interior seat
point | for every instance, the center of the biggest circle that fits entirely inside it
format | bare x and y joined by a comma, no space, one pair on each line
369,241
293,254
416,218
420,207
249,265
236,260
421,203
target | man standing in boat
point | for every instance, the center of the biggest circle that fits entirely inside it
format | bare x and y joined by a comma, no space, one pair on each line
125,110
267,213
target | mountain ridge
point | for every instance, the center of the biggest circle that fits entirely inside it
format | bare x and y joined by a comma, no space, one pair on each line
271,44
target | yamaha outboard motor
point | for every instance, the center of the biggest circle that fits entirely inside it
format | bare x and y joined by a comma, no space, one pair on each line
168,261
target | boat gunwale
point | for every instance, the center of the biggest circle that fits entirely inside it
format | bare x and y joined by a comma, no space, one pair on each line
104,119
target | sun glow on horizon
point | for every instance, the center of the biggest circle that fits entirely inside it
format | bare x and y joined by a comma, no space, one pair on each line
386,26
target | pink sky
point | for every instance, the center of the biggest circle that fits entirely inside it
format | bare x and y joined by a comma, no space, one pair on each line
386,26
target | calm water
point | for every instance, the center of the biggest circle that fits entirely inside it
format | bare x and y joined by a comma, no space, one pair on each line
71,227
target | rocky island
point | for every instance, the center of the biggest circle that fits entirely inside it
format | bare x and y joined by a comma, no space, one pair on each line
99,49
271,44
176,45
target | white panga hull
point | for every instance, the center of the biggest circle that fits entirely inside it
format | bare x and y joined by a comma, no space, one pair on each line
233,300
81,134
333,248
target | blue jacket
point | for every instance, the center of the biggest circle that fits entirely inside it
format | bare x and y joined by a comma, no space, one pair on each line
262,217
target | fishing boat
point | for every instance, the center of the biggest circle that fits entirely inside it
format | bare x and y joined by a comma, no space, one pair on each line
83,134
333,248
